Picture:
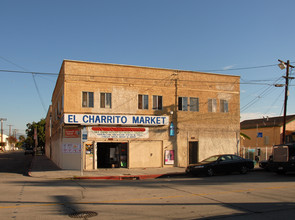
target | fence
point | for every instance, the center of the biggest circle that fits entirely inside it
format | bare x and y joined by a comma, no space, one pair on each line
257,153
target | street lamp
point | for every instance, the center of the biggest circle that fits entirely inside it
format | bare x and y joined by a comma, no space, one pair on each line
282,66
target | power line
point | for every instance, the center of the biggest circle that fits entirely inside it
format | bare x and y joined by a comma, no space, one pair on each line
252,82
241,68
274,102
39,94
230,69
35,83
29,72
261,95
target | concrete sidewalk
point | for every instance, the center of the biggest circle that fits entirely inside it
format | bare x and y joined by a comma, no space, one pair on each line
43,167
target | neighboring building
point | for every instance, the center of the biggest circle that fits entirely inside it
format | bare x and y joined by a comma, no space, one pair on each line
135,117
7,146
264,133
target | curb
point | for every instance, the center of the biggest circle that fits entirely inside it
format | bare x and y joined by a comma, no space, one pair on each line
131,177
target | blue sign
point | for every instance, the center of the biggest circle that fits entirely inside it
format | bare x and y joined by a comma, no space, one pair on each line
93,119
171,128
84,134
259,135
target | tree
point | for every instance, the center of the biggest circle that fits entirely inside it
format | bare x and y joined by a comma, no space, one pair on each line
40,126
11,140
244,136
21,141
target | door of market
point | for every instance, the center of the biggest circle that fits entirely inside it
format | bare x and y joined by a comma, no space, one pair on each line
112,155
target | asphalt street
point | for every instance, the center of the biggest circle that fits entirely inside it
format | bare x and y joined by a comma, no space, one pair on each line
256,195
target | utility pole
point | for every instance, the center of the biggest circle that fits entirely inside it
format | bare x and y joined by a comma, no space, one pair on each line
10,129
2,119
14,132
286,65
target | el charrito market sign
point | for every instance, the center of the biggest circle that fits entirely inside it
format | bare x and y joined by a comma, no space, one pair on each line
93,119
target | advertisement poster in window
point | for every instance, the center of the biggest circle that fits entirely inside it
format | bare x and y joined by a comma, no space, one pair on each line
169,157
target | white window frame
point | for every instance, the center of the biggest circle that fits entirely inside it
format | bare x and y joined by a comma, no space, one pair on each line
143,101
183,104
105,100
223,105
87,99
194,108
157,102
212,105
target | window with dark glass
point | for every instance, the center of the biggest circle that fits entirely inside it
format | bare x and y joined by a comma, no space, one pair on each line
143,102
157,102
182,103
106,100
87,99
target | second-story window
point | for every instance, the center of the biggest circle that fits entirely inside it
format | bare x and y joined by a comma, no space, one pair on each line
223,105
87,99
106,100
143,102
157,102
194,104
182,103
212,105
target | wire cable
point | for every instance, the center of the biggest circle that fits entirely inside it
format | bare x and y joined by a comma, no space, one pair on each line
34,80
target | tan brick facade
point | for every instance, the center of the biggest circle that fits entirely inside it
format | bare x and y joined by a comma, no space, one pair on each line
195,127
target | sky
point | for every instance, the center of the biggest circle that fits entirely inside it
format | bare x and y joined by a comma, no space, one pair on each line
232,37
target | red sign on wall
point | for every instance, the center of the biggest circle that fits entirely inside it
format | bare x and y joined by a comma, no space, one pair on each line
72,133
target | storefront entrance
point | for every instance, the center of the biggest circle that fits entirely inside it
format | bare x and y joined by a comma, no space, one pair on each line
112,155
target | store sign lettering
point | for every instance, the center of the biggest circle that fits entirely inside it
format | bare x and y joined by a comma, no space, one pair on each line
92,119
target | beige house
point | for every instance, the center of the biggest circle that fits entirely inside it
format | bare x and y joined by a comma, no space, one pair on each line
264,133
109,115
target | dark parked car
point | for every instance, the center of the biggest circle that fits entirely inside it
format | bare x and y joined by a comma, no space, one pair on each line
225,163
29,151
265,164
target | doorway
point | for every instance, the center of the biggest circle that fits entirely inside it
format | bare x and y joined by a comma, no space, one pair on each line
112,155
193,152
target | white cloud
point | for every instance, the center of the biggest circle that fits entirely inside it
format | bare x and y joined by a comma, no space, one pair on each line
228,67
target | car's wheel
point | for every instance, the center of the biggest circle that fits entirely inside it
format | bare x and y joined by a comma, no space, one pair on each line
210,172
244,170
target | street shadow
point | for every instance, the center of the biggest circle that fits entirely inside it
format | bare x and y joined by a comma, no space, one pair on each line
67,205
249,178
15,162
43,163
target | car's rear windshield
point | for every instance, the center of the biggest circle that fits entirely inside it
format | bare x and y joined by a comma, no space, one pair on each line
211,159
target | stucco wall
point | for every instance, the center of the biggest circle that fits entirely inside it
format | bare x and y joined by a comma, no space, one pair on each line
71,160
145,154
273,134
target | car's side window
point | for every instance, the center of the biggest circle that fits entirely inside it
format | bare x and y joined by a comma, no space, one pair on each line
225,158
236,157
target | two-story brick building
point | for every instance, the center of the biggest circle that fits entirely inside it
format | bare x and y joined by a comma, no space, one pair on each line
109,115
